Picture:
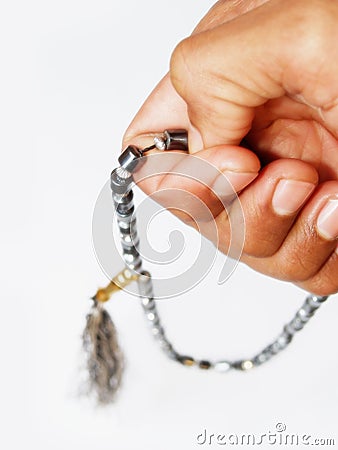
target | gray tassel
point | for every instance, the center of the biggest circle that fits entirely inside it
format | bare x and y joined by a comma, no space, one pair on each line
104,357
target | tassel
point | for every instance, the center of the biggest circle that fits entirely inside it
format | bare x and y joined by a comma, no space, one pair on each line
104,357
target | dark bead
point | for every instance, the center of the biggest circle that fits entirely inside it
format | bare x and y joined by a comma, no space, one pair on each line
123,212
130,158
204,364
176,139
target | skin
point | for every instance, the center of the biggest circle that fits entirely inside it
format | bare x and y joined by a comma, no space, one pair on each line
256,87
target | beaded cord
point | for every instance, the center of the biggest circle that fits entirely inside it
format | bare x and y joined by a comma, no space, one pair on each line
121,184
104,357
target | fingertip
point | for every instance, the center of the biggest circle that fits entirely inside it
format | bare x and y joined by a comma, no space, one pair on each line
292,169
231,158
163,109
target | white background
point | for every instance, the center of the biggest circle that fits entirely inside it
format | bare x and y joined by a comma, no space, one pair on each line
73,74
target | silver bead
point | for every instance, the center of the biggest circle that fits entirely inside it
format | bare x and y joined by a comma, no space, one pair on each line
303,314
261,358
130,158
297,323
134,264
247,364
176,139
122,173
120,181
124,208
159,143
267,354
152,317
289,329
125,223
283,340
275,347
172,140
222,366
157,331
148,303
128,240
313,302
129,258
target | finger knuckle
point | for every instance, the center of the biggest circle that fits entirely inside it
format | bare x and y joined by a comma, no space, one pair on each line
325,282
263,237
264,247
297,267
314,23
182,65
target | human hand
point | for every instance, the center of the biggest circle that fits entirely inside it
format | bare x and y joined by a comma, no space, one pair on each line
265,74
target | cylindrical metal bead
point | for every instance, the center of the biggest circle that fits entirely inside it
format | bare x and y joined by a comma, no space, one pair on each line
283,340
148,303
289,329
130,158
120,185
297,323
176,139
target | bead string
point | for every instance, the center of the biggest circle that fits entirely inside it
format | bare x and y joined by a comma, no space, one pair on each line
121,184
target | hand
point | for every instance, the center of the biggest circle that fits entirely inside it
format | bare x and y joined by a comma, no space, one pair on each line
262,74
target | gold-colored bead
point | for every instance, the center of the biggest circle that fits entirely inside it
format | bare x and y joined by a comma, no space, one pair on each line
188,361
120,281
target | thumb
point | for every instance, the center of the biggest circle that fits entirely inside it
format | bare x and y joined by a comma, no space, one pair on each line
280,48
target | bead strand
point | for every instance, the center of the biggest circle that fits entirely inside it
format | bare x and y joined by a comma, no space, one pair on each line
121,184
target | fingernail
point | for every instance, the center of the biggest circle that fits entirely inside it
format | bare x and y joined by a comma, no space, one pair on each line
290,195
228,182
327,222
